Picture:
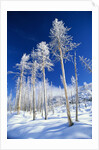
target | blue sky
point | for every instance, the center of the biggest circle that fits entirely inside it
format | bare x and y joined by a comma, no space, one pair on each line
25,29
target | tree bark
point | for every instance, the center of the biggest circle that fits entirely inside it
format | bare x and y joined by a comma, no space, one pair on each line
19,99
65,88
45,97
76,88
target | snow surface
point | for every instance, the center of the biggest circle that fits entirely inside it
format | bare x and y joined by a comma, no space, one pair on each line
56,127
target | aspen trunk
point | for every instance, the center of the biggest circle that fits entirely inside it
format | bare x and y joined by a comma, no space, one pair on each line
65,89
34,103
45,97
76,88
41,105
19,99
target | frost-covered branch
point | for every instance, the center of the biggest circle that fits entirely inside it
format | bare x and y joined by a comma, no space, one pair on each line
59,37
87,63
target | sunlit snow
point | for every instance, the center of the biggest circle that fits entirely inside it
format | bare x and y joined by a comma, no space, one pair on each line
56,127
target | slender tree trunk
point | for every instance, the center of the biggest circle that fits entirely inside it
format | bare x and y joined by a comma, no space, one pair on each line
19,99
65,89
45,97
42,105
76,88
34,102
52,104
30,106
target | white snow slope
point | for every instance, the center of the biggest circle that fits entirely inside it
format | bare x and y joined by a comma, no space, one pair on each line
56,127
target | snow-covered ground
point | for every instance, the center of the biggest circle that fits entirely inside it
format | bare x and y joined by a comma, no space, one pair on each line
56,127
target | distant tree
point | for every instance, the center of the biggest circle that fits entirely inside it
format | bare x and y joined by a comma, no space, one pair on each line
73,82
87,63
86,93
75,65
61,45
9,101
45,62
51,98
22,67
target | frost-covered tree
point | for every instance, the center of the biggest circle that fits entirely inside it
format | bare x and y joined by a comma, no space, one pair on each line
61,45
9,102
28,87
51,99
87,63
73,82
34,65
86,93
17,92
22,67
45,62
75,65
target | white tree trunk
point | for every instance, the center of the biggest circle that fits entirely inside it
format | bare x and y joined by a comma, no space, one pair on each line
19,99
45,97
34,102
76,88
65,89
52,104
41,105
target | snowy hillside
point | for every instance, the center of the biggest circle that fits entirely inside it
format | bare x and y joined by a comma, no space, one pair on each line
56,127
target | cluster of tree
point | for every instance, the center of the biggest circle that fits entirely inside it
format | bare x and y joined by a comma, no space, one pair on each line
35,64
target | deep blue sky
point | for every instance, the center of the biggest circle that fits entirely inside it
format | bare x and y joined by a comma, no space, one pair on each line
25,29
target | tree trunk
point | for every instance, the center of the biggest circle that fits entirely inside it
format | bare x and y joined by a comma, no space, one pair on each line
45,97
65,89
41,105
76,88
52,104
34,103
30,106
19,99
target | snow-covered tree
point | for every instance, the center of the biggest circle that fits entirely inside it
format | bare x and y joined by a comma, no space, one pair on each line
73,83
51,99
17,92
9,102
75,65
24,94
22,67
87,63
45,62
34,65
87,94
29,102
61,45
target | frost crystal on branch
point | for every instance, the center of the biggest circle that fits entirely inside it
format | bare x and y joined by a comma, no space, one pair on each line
23,65
60,38
43,56
87,63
